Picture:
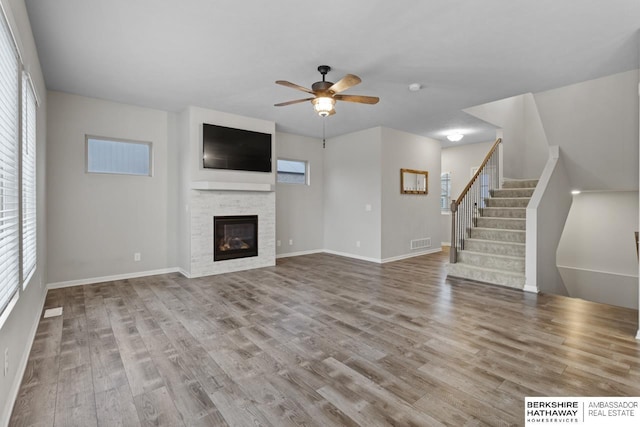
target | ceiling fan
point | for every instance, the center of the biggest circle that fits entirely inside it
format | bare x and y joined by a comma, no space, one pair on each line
325,94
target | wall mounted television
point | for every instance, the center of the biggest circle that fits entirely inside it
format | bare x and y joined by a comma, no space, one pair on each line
235,149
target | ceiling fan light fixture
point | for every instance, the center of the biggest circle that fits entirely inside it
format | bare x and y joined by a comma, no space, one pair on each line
455,137
323,105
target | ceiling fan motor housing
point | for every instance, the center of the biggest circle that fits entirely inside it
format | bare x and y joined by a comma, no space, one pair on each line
321,86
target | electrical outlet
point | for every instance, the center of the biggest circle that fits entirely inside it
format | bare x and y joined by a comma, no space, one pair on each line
279,243
136,256
290,242
357,243
6,361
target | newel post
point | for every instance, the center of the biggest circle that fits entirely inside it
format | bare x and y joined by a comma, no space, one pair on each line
453,252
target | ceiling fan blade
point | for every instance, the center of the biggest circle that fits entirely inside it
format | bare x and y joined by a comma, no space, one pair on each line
345,83
294,86
358,98
297,101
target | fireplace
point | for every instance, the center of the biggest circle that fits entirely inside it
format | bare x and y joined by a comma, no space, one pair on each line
235,237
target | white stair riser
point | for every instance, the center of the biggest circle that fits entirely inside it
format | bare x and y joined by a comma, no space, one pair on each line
502,223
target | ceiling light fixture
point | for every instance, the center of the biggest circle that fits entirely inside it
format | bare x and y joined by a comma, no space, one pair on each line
414,87
575,192
324,105
455,137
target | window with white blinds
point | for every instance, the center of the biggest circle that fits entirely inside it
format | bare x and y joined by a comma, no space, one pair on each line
9,150
28,179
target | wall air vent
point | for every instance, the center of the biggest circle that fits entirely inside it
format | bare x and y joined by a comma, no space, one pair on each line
421,243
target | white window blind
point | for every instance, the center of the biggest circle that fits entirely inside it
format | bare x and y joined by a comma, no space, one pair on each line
28,178
9,146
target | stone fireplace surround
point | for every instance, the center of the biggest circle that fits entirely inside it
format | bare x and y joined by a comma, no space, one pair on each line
226,199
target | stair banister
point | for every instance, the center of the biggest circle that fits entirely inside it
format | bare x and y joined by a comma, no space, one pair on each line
464,209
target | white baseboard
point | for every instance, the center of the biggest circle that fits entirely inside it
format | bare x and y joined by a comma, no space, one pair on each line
184,273
347,255
361,258
533,289
411,255
17,381
92,280
638,335
292,254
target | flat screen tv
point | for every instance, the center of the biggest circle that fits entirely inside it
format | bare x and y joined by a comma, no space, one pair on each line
235,149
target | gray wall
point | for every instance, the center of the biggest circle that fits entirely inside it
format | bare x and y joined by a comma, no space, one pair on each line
409,216
595,123
352,184
546,215
18,326
524,142
597,253
96,222
300,208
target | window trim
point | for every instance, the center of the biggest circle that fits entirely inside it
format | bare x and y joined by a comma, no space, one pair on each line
87,137
307,174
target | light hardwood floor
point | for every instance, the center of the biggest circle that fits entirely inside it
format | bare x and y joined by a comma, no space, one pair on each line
318,340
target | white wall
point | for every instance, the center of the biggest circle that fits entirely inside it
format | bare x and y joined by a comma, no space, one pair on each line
595,123
18,326
546,216
597,253
523,139
96,222
300,208
409,216
459,161
352,183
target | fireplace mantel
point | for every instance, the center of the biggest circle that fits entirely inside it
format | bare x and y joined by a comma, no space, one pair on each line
230,186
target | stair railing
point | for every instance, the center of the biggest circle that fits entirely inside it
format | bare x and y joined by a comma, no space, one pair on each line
466,208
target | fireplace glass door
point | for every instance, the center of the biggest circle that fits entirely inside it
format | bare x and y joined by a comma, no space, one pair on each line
235,237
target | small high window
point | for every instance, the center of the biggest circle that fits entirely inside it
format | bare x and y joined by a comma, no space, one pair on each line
292,171
445,191
117,156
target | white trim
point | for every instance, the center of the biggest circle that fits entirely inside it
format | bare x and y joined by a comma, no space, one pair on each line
7,310
346,255
184,273
597,271
92,280
17,381
445,244
638,335
411,255
300,253
533,289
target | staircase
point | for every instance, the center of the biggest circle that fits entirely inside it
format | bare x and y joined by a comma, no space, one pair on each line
494,250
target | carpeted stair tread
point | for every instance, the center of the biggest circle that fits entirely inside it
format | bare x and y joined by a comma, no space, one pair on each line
487,275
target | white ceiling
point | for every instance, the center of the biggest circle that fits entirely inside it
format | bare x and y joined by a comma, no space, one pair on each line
227,54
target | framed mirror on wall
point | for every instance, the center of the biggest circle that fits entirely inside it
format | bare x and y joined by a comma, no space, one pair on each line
414,181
